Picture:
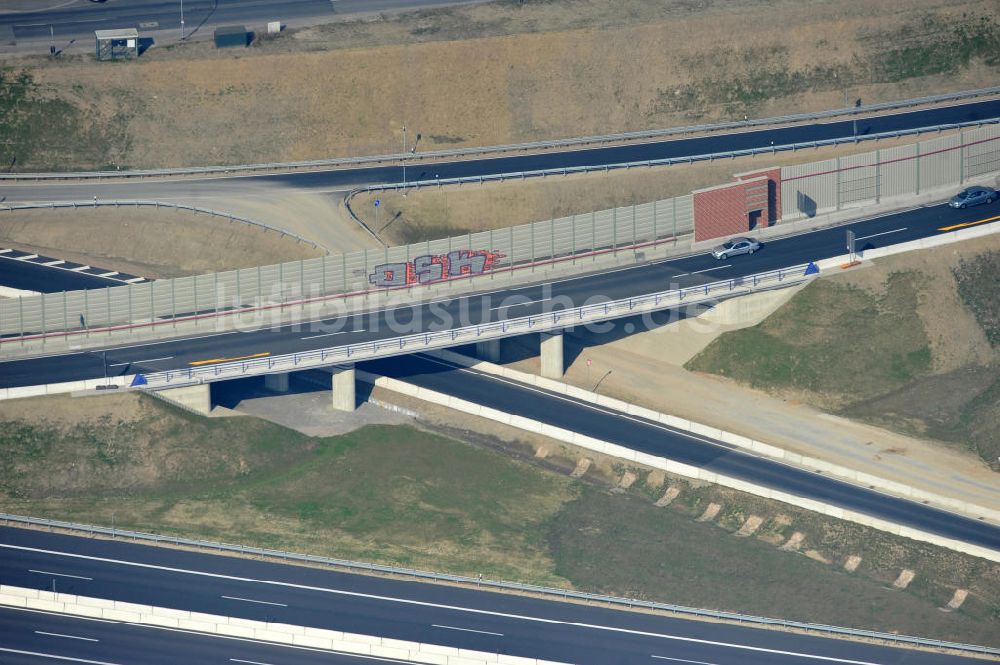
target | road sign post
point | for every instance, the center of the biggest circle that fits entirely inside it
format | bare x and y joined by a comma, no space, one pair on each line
377,204
850,246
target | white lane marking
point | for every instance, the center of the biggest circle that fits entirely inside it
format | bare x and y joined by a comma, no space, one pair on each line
27,257
251,600
518,304
109,274
136,362
135,279
53,656
884,233
78,269
5,251
466,630
57,262
683,660
419,603
249,662
341,332
46,572
698,272
68,637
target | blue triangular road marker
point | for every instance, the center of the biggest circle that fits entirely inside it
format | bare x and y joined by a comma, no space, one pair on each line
139,380
812,269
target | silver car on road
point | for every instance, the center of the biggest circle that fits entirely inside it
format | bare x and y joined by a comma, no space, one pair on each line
973,196
735,247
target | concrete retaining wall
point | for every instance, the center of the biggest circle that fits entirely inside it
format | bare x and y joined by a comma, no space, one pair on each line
280,633
670,466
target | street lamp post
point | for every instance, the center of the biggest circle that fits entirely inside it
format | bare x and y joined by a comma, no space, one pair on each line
404,158
182,20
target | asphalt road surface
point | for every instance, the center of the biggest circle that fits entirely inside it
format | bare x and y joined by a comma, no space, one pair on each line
421,612
30,638
31,272
557,410
346,178
337,180
506,302
71,25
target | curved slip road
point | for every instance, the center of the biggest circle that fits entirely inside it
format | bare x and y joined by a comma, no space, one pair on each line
453,616
506,303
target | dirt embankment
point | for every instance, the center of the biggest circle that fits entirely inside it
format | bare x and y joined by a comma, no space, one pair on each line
154,243
908,342
484,74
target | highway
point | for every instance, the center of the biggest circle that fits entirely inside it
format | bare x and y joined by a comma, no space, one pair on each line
30,638
557,410
73,23
453,616
505,302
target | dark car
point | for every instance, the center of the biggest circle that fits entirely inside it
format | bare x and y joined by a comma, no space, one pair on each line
735,247
973,196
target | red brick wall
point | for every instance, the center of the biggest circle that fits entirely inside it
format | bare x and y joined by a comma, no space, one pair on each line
774,199
720,211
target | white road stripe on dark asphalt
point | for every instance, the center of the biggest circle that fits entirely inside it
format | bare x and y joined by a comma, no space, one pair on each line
884,233
251,600
466,630
136,362
46,572
68,637
341,332
249,662
518,304
698,272
421,603
53,656
683,660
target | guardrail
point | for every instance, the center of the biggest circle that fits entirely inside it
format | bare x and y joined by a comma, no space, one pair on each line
513,147
546,592
117,203
412,343
666,161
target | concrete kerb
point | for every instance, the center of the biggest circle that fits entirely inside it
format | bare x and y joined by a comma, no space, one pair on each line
315,638
677,468
757,447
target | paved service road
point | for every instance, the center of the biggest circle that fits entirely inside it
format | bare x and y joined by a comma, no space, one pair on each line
460,617
346,178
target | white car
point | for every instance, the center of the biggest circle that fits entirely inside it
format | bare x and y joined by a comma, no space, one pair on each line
735,247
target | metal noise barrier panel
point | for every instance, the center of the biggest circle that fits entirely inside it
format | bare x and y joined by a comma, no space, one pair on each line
543,244
870,178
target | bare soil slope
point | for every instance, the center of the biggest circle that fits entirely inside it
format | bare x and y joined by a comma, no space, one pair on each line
899,343
150,242
492,73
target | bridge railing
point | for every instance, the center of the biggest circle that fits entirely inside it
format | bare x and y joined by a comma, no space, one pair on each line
488,583
469,334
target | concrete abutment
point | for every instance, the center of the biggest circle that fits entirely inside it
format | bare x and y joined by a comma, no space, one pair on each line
344,387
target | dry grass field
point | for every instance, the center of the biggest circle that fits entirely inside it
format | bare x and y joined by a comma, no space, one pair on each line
154,243
491,73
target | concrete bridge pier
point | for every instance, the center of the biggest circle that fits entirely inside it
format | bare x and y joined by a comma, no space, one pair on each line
488,350
343,382
277,382
553,363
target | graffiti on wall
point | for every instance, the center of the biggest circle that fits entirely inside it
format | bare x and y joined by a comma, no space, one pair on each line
432,268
